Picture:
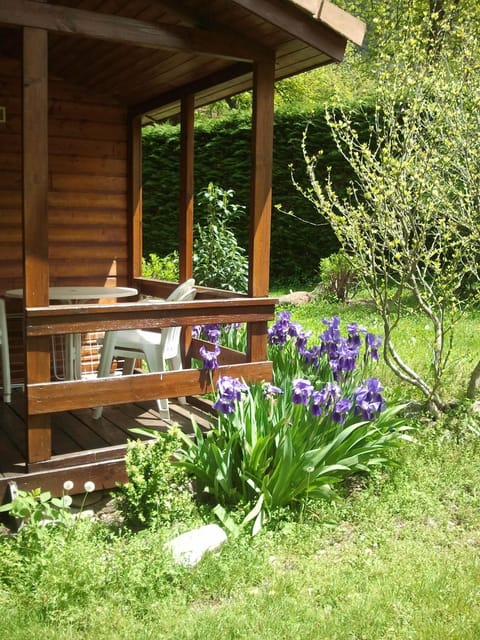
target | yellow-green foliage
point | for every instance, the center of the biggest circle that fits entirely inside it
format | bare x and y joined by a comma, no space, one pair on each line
410,222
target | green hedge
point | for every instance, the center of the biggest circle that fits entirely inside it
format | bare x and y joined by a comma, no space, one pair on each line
222,156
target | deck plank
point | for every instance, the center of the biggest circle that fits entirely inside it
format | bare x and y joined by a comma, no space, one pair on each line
83,448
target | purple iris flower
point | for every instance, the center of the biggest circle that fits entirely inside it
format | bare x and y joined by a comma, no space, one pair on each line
210,357
230,391
224,405
302,339
373,343
332,333
346,357
196,331
294,329
283,329
212,332
324,399
231,387
270,391
278,332
369,400
302,390
312,356
354,332
341,409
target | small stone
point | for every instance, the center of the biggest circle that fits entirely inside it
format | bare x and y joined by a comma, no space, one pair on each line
296,297
189,548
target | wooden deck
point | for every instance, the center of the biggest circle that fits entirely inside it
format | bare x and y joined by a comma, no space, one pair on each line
83,448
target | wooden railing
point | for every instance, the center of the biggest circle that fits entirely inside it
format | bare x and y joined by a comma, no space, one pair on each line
41,322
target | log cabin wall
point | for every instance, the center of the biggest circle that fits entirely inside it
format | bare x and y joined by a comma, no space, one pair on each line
88,243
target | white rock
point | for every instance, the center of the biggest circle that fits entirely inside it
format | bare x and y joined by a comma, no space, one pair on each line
189,548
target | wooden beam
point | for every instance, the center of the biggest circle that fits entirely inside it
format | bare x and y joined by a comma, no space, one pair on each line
64,319
186,217
224,75
77,394
104,473
298,24
35,222
135,197
260,199
92,24
187,152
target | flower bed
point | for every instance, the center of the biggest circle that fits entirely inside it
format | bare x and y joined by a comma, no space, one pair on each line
323,419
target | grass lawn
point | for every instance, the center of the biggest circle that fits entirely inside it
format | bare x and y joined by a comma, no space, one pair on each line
398,557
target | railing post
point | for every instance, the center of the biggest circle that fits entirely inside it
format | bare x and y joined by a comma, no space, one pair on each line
35,224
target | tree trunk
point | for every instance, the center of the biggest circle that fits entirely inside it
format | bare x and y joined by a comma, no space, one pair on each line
474,383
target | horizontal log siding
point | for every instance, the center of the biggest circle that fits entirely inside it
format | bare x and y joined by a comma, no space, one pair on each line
87,192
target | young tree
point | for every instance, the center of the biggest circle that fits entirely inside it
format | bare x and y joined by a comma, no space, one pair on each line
411,222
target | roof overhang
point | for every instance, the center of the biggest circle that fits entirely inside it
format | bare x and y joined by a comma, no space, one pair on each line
149,54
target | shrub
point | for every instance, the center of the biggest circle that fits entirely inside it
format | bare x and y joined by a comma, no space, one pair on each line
218,259
337,277
157,491
165,268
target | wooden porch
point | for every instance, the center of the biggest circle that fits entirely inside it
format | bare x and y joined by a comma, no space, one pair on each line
82,448
78,81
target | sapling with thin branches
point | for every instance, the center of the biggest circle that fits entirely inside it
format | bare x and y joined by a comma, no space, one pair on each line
410,222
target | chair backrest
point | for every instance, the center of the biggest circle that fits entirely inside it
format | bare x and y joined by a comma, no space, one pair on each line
183,288
171,335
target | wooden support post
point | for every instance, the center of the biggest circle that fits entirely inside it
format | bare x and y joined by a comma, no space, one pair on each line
35,224
187,153
260,198
185,231
134,177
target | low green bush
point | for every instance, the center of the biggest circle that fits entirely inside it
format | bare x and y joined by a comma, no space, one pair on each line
157,491
165,268
338,279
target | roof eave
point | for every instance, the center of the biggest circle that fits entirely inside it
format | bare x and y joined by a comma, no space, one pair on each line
337,19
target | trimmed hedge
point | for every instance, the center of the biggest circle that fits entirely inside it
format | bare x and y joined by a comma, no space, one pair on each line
222,156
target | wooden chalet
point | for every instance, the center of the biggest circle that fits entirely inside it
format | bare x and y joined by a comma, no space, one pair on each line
78,80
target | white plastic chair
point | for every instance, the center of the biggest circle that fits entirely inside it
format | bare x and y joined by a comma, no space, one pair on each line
7,385
158,349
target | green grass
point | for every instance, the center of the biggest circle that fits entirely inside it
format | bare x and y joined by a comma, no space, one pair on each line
398,557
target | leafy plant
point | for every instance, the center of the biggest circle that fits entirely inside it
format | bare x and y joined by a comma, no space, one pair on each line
165,268
274,446
218,259
38,508
157,491
337,277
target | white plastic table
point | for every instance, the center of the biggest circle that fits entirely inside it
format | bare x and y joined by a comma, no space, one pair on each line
78,294
72,295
